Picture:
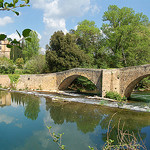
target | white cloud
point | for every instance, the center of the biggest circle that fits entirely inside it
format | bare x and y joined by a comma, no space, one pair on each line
14,36
6,20
57,12
95,9
6,119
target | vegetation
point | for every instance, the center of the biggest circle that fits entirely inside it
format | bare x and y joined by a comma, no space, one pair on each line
82,83
14,78
126,36
6,66
62,53
115,95
31,48
35,65
11,6
125,139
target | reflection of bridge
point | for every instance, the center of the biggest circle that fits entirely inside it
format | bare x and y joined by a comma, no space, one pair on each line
121,80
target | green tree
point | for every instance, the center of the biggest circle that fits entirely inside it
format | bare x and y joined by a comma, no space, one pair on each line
35,65
88,35
127,36
63,53
11,6
31,48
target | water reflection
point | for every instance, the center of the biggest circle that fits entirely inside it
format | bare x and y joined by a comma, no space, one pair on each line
30,103
88,117
84,121
5,99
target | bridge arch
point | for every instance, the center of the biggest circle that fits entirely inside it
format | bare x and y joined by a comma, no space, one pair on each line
132,85
67,81
65,78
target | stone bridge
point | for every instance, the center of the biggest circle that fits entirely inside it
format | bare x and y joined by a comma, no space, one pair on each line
121,80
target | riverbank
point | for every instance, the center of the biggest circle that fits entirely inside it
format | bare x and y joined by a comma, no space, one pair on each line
61,96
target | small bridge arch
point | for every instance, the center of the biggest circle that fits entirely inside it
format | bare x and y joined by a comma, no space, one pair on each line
65,78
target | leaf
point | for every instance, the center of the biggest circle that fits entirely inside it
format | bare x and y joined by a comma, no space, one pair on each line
15,42
18,33
28,39
1,4
15,1
26,32
17,13
9,46
1,1
10,5
9,39
27,1
2,36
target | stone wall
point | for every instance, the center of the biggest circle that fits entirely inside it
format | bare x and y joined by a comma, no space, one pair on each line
4,81
45,82
110,81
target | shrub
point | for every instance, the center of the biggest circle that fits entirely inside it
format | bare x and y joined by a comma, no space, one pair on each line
20,63
6,66
114,95
35,65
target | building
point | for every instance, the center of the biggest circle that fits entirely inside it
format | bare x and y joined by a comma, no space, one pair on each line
4,51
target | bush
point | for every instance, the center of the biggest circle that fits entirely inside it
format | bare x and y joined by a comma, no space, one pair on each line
6,66
115,95
35,65
20,63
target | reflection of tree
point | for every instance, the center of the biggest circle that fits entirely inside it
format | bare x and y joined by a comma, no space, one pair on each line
129,120
32,109
87,117
30,102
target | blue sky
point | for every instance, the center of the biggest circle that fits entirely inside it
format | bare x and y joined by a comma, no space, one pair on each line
48,16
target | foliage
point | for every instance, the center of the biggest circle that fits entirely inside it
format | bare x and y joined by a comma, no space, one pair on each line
56,138
14,78
6,66
126,36
125,140
63,53
88,36
35,65
17,51
82,83
11,6
114,95
31,48
19,62
143,84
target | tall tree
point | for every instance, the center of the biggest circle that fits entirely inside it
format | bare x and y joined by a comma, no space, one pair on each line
127,36
63,53
88,35
31,48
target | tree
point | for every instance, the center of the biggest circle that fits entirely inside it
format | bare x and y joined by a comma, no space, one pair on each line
31,48
11,6
63,53
126,36
88,36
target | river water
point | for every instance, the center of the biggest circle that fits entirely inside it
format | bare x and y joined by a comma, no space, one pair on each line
24,119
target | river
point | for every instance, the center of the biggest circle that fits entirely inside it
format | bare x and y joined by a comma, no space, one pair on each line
24,119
